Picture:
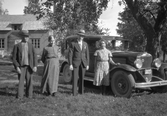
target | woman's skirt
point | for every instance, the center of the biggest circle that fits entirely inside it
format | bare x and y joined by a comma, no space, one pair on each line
50,77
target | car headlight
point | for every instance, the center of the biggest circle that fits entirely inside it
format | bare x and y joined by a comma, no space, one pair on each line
157,62
138,63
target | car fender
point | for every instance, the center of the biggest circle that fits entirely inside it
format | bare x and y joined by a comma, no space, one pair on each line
124,67
62,64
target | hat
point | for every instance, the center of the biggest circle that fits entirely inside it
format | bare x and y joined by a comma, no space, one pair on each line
81,32
24,33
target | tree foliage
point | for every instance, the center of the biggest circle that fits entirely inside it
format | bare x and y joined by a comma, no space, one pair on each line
33,7
69,15
2,11
129,29
151,17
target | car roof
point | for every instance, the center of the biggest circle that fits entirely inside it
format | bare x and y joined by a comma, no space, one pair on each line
98,37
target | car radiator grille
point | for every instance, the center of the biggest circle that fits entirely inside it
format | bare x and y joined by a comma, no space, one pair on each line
147,61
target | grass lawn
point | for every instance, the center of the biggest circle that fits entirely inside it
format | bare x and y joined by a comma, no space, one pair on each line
92,103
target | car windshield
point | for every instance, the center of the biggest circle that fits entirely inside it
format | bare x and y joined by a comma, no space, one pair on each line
118,45
111,44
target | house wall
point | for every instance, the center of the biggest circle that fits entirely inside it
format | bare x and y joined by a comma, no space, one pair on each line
43,36
11,40
3,34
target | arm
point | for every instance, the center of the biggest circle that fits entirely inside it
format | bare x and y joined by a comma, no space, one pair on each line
95,60
70,55
34,57
111,60
87,54
43,56
14,59
14,56
59,52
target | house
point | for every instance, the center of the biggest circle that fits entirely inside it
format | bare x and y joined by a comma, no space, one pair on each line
10,24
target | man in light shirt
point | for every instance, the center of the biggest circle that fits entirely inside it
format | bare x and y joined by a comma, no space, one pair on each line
79,62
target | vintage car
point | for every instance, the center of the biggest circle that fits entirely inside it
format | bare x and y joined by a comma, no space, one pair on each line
137,70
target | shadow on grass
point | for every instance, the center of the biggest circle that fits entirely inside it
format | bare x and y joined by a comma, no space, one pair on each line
5,91
36,89
67,89
88,88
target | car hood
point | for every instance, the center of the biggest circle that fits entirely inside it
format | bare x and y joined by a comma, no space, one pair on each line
130,54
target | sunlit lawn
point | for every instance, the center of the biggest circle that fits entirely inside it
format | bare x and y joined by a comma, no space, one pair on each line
92,103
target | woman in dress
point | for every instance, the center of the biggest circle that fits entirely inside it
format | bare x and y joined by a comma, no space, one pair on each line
102,58
50,78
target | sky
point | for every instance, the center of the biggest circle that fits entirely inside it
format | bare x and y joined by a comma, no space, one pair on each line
108,19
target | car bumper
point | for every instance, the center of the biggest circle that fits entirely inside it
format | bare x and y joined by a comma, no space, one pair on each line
150,84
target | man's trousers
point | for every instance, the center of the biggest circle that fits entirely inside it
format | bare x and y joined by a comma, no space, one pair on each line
25,76
78,80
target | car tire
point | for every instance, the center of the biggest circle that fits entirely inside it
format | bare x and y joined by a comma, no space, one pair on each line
122,84
67,74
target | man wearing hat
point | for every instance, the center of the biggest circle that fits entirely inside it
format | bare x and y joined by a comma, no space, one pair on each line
25,63
79,62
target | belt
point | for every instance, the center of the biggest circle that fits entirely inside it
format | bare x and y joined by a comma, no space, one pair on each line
102,60
24,65
51,57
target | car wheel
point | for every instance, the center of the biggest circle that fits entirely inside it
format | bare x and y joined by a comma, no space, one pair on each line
67,74
122,84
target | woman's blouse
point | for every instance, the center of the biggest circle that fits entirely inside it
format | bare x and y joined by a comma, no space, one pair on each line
49,52
103,54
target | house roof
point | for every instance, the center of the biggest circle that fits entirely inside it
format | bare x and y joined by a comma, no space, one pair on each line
28,21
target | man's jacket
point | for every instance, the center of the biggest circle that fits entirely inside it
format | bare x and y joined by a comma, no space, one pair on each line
78,56
17,55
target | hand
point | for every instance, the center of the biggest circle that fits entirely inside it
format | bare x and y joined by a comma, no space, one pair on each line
87,67
71,67
18,70
117,63
35,69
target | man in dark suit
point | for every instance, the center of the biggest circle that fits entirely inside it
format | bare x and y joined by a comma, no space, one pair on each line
79,62
25,63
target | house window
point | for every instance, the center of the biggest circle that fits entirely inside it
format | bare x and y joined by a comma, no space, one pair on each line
2,43
17,26
36,42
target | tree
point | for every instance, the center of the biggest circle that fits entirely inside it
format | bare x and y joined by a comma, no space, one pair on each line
128,28
33,7
151,17
2,11
69,15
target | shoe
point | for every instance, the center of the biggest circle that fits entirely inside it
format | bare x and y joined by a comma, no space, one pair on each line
30,97
19,98
46,93
54,94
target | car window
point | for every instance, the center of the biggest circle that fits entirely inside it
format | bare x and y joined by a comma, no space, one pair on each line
69,41
91,45
117,45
